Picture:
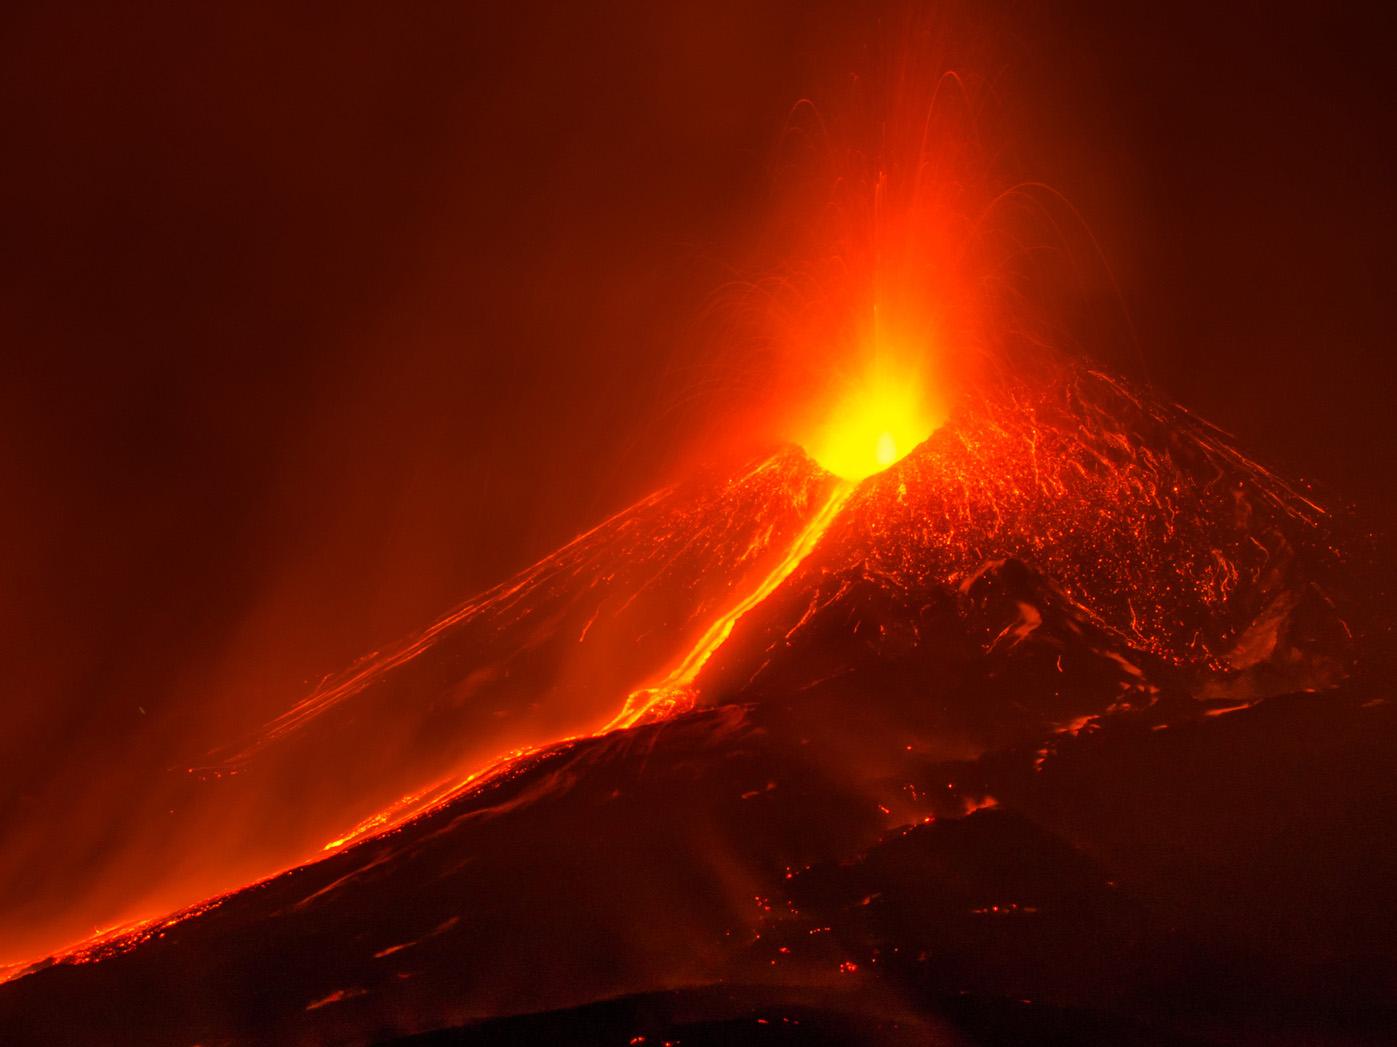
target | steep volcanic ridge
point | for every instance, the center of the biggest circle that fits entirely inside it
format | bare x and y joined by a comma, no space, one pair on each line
964,753
550,654
1131,516
546,655
1142,519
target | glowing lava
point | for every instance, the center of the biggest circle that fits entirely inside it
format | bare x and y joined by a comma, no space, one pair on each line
874,423
675,692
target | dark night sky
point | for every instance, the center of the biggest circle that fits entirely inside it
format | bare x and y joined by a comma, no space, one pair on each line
315,323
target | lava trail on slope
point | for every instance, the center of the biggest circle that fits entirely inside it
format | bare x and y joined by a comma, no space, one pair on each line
550,653
875,795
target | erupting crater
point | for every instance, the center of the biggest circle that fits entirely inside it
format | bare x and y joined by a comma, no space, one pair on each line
873,423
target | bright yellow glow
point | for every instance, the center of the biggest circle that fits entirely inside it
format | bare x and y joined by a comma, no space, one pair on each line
873,423
887,450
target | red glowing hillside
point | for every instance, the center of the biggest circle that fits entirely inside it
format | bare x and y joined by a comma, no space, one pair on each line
614,753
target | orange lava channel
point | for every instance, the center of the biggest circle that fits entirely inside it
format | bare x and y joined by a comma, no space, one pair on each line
672,692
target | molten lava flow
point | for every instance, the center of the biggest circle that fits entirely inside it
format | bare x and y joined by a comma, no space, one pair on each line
673,693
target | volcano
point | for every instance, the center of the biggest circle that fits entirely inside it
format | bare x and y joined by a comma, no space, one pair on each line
1062,728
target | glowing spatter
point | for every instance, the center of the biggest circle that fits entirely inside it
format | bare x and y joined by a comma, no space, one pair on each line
1143,514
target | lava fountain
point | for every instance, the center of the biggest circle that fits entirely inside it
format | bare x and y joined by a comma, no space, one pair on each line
874,424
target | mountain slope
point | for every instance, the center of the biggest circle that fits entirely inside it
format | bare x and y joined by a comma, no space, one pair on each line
963,727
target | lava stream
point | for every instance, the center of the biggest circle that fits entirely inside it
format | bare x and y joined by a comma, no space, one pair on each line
337,689
672,692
